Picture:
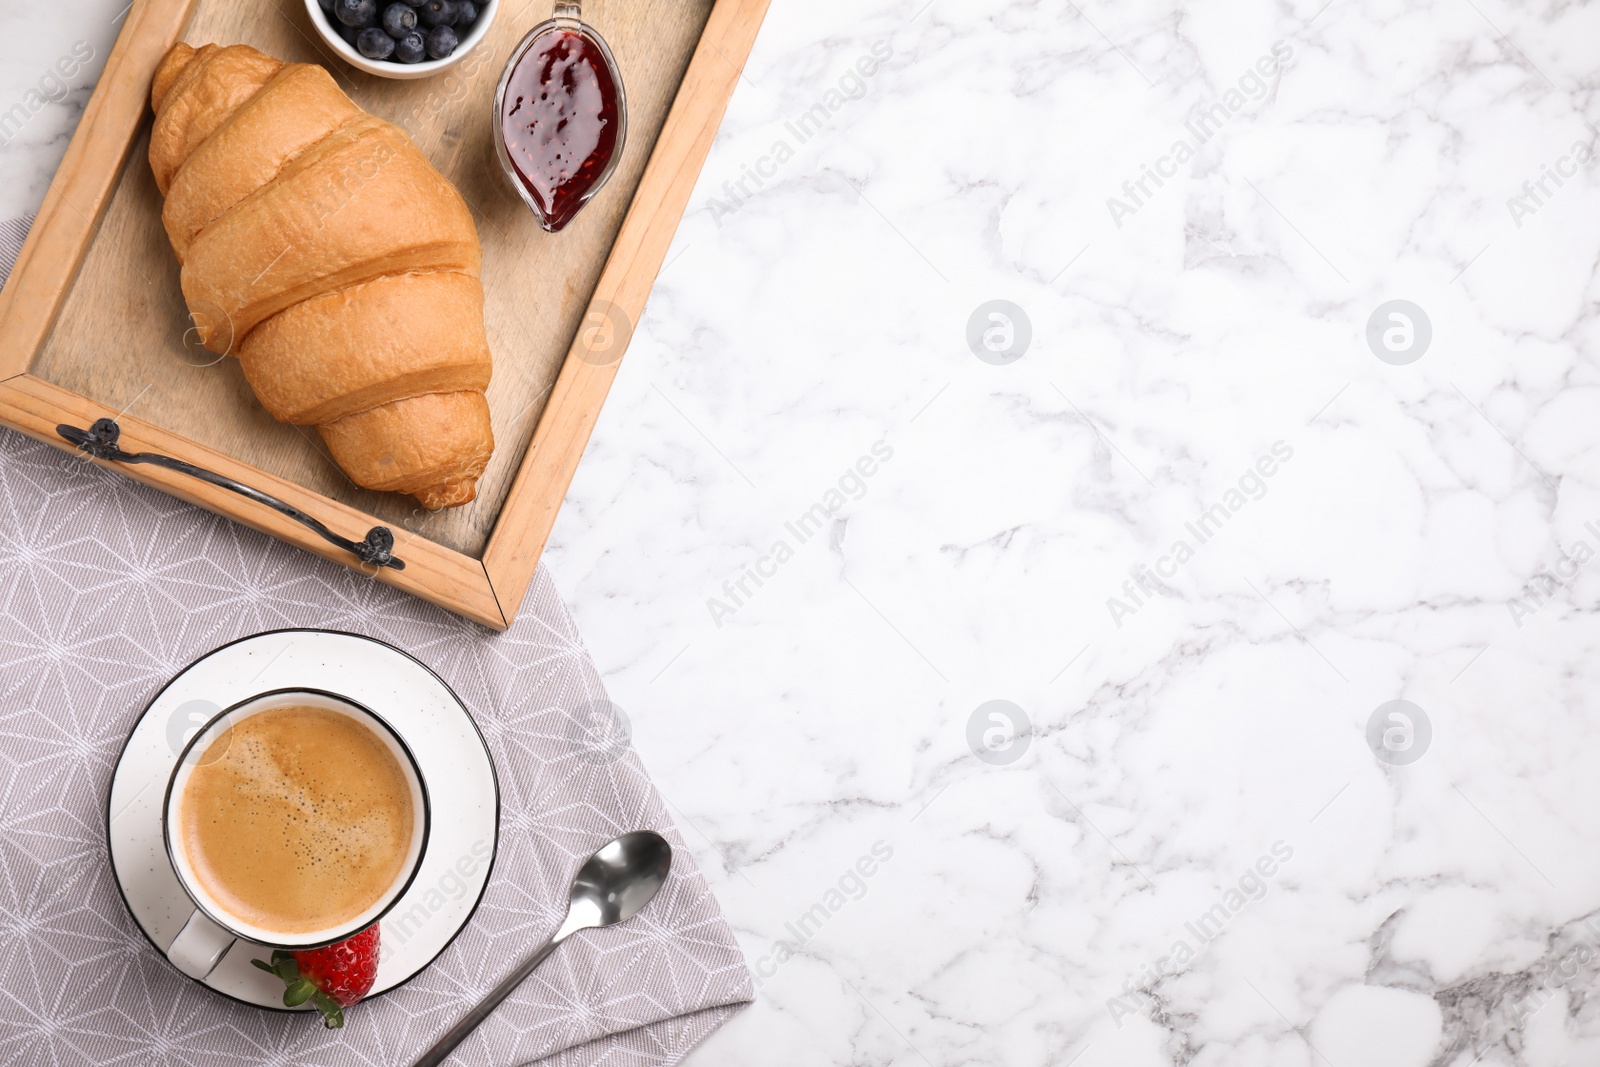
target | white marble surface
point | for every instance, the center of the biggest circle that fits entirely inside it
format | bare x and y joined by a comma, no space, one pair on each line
1031,913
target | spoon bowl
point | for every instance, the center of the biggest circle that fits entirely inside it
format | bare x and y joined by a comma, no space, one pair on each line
621,878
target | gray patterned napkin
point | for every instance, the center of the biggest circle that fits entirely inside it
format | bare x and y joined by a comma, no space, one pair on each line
107,589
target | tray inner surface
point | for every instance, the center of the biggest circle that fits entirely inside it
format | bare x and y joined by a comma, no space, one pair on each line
121,335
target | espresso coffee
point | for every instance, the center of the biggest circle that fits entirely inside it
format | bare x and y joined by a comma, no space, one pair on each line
297,819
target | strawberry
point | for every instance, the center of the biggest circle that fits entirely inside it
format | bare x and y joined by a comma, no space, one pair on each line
332,978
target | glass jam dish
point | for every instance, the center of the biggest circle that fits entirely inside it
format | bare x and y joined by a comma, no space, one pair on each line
560,117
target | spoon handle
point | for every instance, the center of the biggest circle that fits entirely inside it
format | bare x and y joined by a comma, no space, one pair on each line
458,1033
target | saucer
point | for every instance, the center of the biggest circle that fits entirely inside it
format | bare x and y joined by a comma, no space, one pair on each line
420,707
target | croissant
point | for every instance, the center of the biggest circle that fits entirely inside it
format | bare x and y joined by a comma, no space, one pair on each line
321,248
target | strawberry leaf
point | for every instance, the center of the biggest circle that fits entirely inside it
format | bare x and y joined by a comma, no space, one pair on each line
264,966
299,991
332,1014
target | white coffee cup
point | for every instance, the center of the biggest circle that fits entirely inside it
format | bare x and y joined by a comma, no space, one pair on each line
211,929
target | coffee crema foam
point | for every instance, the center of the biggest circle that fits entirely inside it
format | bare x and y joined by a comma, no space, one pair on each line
297,819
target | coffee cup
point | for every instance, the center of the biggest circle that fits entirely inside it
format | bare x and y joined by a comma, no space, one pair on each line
293,819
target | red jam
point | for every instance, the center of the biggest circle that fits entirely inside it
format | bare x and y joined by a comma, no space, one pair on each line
559,120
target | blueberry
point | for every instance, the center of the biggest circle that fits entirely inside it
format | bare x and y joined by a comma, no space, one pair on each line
349,33
327,5
375,44
438,12
441,42
466,14
410,48
357,13
399,19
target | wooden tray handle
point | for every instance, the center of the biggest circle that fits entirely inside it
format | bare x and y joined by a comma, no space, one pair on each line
100,441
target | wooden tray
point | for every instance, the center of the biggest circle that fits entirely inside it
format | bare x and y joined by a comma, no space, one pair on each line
93,324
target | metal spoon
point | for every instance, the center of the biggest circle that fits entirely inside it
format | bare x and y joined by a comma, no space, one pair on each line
609,888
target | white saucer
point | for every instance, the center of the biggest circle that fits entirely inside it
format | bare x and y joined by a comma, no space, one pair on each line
449,750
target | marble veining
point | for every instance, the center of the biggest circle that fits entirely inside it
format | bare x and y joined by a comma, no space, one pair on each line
1204,211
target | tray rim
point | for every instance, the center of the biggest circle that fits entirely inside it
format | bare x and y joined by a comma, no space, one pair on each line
487,589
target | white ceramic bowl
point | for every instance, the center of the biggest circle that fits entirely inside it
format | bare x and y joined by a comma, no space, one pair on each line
386,68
